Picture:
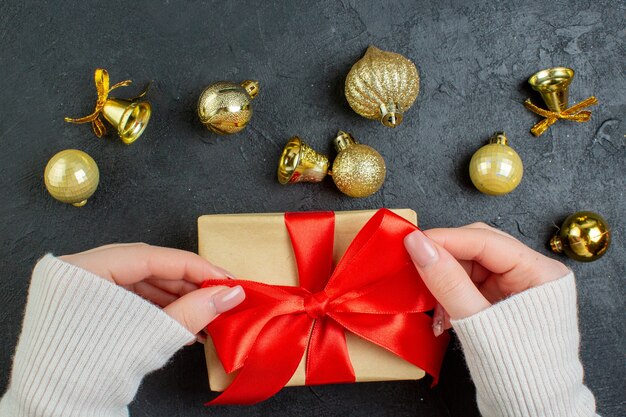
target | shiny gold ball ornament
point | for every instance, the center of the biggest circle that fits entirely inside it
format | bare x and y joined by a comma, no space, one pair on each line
585,236
225,108
71,176
496,169
358,170
382,86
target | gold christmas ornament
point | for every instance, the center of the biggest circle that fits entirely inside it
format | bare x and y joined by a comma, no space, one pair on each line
358,170
129,116
553,85
585,236
382,86
225,108
300,163
496,169
71,176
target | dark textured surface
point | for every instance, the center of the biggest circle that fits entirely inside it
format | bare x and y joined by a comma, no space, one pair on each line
473,59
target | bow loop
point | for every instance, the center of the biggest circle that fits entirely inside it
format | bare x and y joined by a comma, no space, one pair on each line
574,113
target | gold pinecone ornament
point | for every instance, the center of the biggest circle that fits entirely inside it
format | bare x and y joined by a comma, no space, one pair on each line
382,86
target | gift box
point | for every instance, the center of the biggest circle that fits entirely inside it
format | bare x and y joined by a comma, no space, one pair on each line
282,250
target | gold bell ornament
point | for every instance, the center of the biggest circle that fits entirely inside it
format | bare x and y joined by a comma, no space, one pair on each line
553,85
129,116
584,236
382,86
71,176
358,170
496,169
225,107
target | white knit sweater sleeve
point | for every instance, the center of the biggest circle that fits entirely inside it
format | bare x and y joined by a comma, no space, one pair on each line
85,345
523,354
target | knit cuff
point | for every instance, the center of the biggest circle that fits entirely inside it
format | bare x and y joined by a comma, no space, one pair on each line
86,343
523,354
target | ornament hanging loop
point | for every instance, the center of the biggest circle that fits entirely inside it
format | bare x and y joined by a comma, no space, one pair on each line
130,116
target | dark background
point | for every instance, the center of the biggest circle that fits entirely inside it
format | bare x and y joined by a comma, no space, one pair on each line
474,59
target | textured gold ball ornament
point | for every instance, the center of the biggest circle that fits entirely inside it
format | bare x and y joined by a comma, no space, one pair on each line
382,86
71,176
585,236
225,108
496,169
358,170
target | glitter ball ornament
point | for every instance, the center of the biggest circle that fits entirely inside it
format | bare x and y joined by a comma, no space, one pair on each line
225,107
584,236
358,170
496,169
71,176
382,86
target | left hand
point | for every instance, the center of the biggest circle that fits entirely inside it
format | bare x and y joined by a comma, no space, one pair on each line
170,278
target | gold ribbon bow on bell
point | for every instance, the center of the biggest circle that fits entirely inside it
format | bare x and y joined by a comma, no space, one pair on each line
129,116
574,113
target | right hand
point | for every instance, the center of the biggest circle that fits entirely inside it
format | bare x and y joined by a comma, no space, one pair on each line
470,268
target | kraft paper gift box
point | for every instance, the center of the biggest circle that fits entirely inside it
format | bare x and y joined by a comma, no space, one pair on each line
257,247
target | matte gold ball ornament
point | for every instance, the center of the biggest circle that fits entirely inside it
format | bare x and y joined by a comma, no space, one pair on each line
225,107
496,169
584,236
71,176
382,86
358,170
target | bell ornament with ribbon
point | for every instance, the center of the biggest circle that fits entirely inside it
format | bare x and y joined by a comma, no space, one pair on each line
553,85
301,163
129,116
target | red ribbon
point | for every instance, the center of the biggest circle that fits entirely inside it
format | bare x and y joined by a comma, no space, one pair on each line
374,292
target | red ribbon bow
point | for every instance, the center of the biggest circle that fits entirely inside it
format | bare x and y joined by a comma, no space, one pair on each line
374,292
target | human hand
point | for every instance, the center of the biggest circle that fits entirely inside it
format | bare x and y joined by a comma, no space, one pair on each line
170,278
469,268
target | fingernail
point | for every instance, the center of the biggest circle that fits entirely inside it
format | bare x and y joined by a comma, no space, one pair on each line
421,249
438,319
229,298
224,272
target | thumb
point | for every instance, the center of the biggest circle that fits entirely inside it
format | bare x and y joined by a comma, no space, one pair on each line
198,308
445,277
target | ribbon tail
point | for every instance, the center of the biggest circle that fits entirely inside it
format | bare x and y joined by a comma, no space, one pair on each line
328,361
542,126
85,119
143,92
98,127
271,363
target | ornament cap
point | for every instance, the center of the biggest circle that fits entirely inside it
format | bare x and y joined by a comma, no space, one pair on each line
251,87
343,140
556,244
499,138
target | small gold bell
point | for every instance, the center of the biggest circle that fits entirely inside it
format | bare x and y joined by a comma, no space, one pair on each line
225,108
496,169
71,176
301,163
382,86
553,85
584,236
129,116
358,170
